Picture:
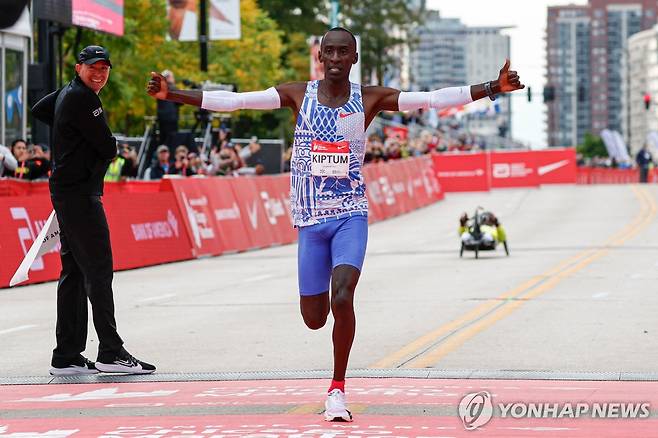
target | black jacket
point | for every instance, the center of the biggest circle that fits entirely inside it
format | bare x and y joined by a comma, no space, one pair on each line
82,143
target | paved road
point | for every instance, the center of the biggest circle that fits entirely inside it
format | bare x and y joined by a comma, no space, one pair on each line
577,294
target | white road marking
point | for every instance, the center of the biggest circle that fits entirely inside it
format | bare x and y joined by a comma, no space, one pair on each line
159,297
16,329
600,295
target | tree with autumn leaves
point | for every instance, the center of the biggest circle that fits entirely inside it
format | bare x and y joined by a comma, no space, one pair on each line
273,49
253,62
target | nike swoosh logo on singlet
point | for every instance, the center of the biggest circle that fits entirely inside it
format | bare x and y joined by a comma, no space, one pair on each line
343,115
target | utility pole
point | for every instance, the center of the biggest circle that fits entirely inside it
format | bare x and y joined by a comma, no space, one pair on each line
203,34
335,8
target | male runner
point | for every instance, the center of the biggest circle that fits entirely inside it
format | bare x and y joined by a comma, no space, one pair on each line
328,199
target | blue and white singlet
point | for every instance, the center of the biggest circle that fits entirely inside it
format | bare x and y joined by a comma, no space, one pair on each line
325,168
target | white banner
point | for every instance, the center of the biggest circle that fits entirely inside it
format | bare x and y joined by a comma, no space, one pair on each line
46,240
224,18
183,21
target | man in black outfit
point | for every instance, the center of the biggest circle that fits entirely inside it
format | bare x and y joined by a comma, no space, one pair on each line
82,148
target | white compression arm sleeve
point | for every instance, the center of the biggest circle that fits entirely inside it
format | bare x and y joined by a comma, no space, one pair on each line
230,101
437,99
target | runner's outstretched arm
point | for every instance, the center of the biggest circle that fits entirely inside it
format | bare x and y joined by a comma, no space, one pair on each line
389,99
283,96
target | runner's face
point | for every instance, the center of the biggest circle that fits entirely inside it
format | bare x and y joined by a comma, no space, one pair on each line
338,53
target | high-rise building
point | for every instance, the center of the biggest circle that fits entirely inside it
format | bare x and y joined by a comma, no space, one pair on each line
447,53
640,88
585,49
612,22
438,56
567,74
486,51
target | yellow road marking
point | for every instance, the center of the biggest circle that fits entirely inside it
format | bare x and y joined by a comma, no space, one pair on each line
531,288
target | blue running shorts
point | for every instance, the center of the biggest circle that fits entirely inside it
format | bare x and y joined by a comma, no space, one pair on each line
322,247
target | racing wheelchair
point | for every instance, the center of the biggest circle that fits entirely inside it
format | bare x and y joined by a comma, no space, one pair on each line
481,232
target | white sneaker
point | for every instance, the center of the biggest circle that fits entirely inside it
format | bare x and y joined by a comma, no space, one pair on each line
335,409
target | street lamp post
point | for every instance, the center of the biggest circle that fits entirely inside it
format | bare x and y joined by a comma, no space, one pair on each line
335,7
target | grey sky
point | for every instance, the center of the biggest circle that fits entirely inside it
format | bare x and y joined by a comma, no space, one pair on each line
528,51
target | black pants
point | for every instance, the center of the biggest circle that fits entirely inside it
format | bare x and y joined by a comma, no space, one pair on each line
86,274
167,129
644,174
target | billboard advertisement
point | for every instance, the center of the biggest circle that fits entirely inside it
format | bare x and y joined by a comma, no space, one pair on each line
101,15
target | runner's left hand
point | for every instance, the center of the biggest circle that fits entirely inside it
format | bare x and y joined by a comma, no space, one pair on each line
509,79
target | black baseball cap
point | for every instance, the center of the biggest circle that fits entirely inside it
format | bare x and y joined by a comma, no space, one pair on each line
92,54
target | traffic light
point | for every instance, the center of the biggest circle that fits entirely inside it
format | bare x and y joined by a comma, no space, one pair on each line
647,101
529,94
549,94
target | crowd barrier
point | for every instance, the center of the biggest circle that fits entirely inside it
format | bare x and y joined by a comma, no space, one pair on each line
483,171
180,219
153,222
598,175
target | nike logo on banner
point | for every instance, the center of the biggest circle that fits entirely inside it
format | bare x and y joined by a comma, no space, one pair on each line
343,115
543,170
253,215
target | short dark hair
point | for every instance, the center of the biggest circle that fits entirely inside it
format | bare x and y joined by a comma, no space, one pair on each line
341,29
13,143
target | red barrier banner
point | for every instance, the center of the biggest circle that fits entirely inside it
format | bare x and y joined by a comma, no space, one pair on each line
274,192
556,165
434,188
389,205
254,216
374,193
17,187
397,176
513,169
146,229
229,221
413,182
598,175
462,172
192,198
22,218
132,187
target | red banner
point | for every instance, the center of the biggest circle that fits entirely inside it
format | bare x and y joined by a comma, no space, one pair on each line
192,198
22,218
556,165
275,197
434,189
146,229
254,216
513,169
462,172
178,219
374,193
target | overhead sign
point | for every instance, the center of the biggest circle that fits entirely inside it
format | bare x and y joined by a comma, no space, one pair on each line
101,15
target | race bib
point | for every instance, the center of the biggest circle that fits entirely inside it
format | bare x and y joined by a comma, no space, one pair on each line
330,158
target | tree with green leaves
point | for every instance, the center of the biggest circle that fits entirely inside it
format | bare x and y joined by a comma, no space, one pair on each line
144,48
382,25
592,146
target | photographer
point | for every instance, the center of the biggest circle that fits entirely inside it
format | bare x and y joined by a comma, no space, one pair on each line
181,164
129,154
